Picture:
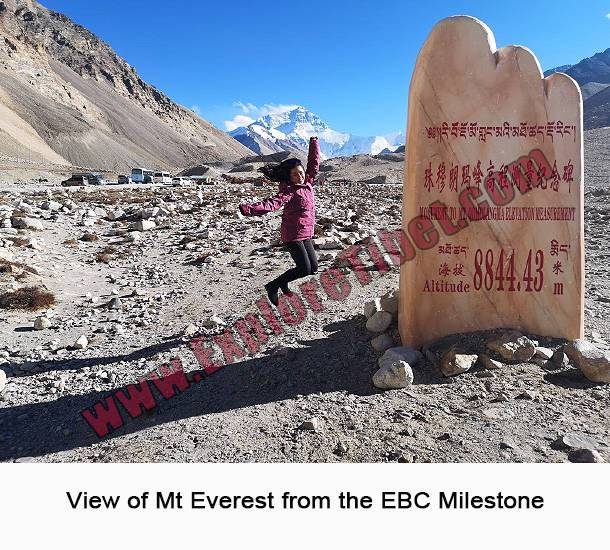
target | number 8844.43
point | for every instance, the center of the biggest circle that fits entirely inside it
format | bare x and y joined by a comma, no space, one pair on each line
498,271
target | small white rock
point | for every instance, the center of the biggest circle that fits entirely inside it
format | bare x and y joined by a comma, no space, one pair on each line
190,330
81,343
389,302
379,321
144,225
42,322
453,363
372,307
394,376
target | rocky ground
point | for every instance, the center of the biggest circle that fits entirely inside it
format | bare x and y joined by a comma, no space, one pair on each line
136,272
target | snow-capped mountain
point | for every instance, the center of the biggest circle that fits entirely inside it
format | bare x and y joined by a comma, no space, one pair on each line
292,129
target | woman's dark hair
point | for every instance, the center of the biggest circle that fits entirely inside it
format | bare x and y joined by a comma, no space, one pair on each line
281,171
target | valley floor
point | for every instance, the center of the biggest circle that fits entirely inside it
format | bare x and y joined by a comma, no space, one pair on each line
205,266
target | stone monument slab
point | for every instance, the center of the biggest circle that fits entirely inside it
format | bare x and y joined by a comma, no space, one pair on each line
493,191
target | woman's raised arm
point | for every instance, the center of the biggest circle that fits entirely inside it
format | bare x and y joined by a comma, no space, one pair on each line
313,160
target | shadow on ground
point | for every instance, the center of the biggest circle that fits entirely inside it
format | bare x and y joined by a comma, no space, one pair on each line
342,361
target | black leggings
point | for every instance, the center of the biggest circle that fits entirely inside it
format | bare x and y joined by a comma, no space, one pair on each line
304,257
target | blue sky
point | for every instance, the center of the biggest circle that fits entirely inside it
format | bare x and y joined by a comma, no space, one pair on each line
349,62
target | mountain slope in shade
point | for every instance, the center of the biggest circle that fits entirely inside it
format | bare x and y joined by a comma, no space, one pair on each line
597,108
593,76
560,69
592,69
68,98
291,130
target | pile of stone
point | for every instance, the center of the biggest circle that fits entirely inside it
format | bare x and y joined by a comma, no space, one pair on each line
396,362
458,354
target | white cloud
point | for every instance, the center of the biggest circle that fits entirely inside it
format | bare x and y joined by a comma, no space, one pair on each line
254,112
275,109
608,16
245,107
237,121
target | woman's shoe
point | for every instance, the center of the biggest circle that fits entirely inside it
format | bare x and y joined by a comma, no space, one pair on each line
286,289
271,289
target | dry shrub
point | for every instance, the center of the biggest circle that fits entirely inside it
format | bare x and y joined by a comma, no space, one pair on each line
89,237
122,253
71,242
103,258
105,255
21,276
20,242
30,298
7,266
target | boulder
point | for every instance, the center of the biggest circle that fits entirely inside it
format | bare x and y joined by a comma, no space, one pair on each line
27,223
147,213
575,440
393,376
402,353
382,342
544,353
81,342
310,425
2,380
379,321
453,362
585,455
213,322
593,362
42,322
560,358
328,243
33,244
372,307
375,180
513,346
51,205
115,214
134,236
114,303
144,225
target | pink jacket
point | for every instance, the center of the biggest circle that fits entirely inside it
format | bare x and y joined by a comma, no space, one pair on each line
299,215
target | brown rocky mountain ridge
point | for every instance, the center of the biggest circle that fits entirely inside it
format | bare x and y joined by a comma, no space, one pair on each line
66,97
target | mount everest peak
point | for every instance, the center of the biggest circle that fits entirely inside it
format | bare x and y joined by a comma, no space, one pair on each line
291,129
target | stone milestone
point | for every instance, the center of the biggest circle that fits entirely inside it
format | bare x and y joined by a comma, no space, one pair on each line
493,196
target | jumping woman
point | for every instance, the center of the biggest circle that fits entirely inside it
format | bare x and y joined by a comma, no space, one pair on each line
296,195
